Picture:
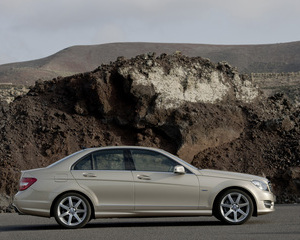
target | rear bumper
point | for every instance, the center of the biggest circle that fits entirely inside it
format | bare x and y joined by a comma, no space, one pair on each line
17,210
26,203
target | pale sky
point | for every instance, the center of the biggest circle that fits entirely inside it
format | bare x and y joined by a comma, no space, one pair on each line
32,29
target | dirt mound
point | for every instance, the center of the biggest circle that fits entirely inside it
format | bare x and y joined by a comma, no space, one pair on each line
206,113
269,146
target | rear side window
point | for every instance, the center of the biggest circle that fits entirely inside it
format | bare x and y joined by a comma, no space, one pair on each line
102,160
84,164
109,160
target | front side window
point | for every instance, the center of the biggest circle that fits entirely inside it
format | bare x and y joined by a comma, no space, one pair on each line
145,160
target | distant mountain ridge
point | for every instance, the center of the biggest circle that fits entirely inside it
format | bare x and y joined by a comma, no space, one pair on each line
264,58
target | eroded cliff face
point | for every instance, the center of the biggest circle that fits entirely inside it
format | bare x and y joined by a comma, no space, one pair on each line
175,93
203,112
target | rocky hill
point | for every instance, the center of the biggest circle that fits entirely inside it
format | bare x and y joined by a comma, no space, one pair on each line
267,58
206,113
286,83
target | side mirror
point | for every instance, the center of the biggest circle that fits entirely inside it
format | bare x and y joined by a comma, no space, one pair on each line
179,169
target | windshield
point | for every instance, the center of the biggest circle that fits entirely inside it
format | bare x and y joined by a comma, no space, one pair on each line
180,160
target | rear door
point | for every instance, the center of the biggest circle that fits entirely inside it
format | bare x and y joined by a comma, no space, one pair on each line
104,175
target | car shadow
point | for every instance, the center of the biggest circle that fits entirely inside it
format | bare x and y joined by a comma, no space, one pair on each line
112,224
145,223
30,227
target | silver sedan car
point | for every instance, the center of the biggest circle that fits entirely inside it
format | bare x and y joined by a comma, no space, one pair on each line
127,181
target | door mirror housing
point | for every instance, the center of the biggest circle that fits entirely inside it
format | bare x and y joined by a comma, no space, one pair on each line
179,169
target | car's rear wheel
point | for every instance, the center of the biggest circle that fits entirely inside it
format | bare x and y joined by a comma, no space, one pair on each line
234,207
72,210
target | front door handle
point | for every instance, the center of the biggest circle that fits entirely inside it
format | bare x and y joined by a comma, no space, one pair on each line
143,177
89,175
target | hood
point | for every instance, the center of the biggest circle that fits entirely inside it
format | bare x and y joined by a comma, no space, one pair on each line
230,175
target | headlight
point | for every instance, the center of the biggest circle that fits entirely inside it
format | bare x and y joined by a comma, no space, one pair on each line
261,185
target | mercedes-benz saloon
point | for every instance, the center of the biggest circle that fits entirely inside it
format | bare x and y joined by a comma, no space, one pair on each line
138,182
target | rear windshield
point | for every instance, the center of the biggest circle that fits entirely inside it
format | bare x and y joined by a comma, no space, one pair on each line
65,158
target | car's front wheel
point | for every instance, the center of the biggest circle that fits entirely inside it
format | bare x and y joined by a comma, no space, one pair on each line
72,210
234,207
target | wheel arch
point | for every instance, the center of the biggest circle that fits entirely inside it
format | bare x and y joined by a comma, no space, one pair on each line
239,188
73,191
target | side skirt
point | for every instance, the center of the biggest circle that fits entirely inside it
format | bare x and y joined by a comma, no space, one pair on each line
152,213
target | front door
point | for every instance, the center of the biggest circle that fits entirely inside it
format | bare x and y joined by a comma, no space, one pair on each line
157,187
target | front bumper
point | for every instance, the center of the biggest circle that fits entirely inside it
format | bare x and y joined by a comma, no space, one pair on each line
266,204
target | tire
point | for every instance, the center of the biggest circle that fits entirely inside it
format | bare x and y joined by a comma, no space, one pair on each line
72,210
234,207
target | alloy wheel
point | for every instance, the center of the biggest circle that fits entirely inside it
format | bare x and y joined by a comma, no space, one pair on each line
72,211
235,207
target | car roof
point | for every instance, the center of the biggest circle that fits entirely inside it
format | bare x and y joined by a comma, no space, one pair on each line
66,161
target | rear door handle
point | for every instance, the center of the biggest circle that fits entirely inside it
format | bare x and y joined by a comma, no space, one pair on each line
89,175
143,177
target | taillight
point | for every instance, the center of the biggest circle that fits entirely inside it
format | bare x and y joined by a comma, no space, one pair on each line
26,182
